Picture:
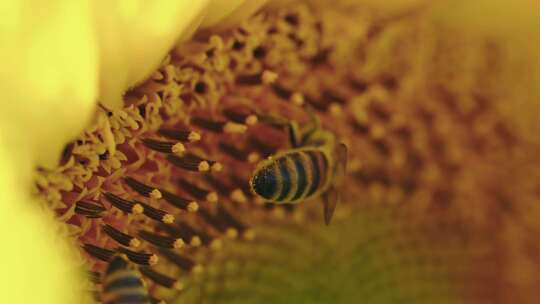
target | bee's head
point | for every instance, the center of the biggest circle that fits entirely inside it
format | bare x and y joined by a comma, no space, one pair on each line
264,181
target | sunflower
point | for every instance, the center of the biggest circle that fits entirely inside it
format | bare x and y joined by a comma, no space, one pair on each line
436,105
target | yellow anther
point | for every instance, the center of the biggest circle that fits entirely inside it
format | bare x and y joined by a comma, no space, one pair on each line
216,167
212,197
203,166
195,241
231,233
137,209
238,195
134,243
253,157
232,127
335,109
297,99
251,120
155,194
168,219
154,259
178,243
269,77
194,136
193,207
178,149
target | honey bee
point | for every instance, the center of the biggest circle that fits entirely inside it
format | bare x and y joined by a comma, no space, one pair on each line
313,167
122,284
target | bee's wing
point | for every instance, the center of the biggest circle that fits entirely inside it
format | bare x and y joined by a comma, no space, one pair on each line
332,196
330,200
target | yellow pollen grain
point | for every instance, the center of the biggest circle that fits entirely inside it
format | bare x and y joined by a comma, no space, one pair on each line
232,233
269,77
168,218
154,259
297,99
137,209
216,167
178,243
195,241
238,195
194,136
203,166
212,197
253,157
155,194
192,207
232,127
251,120
178,149
134,243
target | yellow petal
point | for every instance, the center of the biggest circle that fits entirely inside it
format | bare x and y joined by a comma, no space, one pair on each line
48,78
48,83
225,13
134,37
37,265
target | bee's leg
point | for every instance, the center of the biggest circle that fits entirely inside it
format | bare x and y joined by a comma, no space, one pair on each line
295,136
332,196
315,122
294,132
310,128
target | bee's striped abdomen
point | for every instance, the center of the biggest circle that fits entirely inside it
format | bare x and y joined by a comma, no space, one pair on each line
319,164
287,178
122,285
292,176
302,168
